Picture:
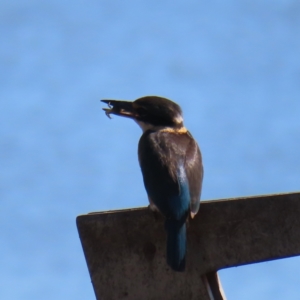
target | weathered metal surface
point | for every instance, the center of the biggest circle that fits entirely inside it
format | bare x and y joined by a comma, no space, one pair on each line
125,253
247,230
125,250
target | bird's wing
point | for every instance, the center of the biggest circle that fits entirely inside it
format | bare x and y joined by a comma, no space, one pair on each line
194,172
159,173
164,158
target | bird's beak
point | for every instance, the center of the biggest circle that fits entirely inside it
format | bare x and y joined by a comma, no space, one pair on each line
119,108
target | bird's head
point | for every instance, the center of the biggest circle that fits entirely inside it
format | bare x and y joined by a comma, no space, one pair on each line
150,112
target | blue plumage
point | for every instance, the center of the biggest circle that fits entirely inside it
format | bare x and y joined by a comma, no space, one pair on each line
176,227
176,244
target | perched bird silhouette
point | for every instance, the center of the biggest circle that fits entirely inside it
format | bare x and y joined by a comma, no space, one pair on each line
171,165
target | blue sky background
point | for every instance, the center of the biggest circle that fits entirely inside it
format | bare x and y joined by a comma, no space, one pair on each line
233,66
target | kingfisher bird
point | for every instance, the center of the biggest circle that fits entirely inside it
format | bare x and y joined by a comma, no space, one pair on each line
171,165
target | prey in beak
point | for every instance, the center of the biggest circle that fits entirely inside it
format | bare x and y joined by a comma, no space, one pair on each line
119,108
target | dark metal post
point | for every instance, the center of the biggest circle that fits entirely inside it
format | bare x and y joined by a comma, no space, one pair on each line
125,250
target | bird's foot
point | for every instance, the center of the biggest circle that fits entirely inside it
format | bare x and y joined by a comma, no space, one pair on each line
154,211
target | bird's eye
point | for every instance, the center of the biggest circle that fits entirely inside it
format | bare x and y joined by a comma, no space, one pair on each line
142,111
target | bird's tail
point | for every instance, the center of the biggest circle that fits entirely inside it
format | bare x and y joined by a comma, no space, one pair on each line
176,244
